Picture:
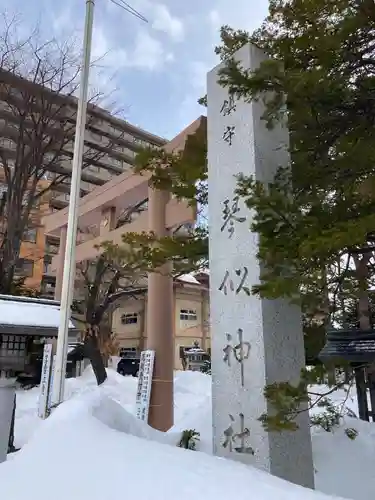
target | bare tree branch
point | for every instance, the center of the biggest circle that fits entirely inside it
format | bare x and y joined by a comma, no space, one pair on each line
38,83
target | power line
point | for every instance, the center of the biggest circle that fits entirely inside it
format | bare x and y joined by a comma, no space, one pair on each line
128,8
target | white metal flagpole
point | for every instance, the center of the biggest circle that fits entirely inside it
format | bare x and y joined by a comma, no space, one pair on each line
69,262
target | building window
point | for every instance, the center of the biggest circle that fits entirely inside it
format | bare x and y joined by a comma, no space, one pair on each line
12,351
129,318
188,315
25,267
128,352
30,235
48,289
50,176
51,248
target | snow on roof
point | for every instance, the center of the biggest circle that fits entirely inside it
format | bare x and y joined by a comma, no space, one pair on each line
206,270
189,278
30,313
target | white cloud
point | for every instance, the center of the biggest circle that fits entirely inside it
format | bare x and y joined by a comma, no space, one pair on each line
245,15
62,21
105,60
197,75
165,22
148,53
240,14
189,109
100,44
134,51
214,19
161,18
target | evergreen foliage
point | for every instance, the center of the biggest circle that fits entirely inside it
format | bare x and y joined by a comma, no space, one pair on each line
206,368
189,439
320,79
184,175
286,402
316,220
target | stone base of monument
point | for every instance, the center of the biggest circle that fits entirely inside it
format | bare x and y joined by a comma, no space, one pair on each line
7,394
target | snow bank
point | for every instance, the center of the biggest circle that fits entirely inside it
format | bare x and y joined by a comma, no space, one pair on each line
83,451
192,401
342,467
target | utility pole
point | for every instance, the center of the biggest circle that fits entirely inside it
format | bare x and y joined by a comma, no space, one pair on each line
70,247
69,261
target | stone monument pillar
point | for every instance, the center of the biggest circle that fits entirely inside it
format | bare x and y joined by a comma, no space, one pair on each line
255,342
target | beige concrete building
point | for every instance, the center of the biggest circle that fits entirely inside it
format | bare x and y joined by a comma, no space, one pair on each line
190,318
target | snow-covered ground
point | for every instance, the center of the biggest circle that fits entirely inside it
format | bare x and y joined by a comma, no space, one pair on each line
93,448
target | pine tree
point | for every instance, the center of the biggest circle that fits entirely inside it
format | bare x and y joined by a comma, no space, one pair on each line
320,79
316,220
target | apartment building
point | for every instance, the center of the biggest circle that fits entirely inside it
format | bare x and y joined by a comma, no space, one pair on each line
30,264
111,145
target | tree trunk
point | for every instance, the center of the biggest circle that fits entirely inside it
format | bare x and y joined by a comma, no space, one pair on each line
362,273
331,376
364,318
371,386
6,279
92,351
184,362
10,251
347,374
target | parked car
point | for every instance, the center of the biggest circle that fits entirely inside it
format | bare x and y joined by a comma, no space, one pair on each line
128,366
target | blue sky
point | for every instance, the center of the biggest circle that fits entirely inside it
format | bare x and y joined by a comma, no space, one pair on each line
158,70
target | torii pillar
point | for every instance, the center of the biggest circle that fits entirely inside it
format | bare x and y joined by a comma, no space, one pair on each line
160,300
160,321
